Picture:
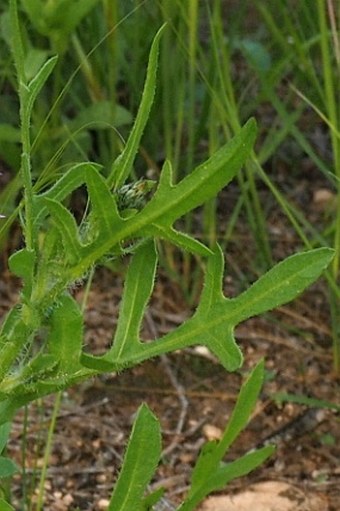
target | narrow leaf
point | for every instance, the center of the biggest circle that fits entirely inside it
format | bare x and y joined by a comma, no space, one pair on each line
180,239
245,404
238,468
219,478
213,452
36,84
151,500
282,283
140,462
137,289
205,465
123,165
212,292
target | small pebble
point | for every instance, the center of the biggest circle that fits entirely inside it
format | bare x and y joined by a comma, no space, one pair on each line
103,503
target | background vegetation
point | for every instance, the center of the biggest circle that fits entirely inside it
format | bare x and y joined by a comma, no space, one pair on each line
220,63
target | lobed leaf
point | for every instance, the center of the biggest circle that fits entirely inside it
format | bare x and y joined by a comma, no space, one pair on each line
216,317
209,473
170,202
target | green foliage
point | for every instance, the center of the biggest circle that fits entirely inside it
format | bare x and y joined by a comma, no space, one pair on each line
41,339
140,462
57,20
210,472
7,466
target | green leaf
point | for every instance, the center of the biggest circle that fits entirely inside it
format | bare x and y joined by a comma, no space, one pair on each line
14,333
34,60
221,476
5,506
75,177
283,397
66,335
22,263
214,322
9,133
8,407
180,239
140,462
7,467
4,434
283,283
209,473
150,500
237,468
67,15
104,205
213,452
138,287
65,223
34,10
245,405
37,83
40,366
123,165
170,202
206,464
